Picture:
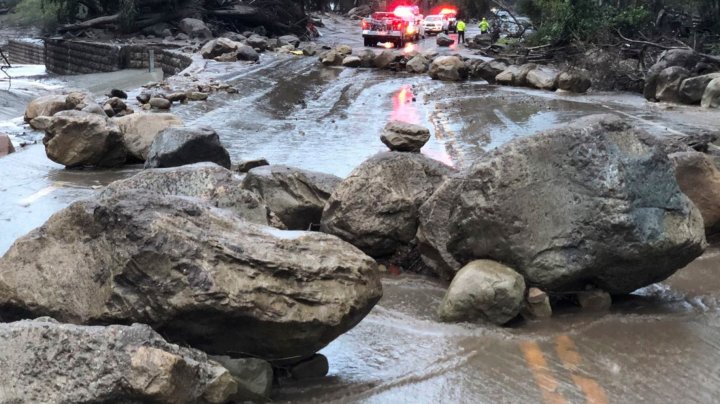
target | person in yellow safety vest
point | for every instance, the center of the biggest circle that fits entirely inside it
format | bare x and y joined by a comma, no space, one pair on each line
484,26
461,31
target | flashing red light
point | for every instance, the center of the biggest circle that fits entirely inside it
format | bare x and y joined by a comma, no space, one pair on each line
448,10
365,25
403,11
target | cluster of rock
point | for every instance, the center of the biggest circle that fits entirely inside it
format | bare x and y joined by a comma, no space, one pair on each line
686,77
532,75
198,254
532,222
248,46
453,67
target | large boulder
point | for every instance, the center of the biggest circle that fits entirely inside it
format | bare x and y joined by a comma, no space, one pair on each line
139,131
699,179
693,88
76,138
376,207
543,78
515,75
367,58
711,96
331,58
47,105
218,47
179,146
417,64
194,28
6,146
258,42
296,196
246,53
289,40
209,182
604,211
48,362
448,68
685,58
197,274
574,81
444,40
488,70
667,86
352,61
385,59
484,290
403,136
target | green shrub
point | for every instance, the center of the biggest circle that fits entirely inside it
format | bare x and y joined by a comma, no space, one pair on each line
33,13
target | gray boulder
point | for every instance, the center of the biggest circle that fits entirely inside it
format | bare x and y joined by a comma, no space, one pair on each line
246,53
296,196
254,377
385,59
685,58
448,68
543,78
198,275
405,137
367,58
668,84
376,207
488,70
179,146
331,58
48,362
693,88
418,64
352,61
289,40
76,138
258,42
605,211
575,81
160,103
209,182
218,47
194,28
515,75
484,290
248,165
444,40
711,96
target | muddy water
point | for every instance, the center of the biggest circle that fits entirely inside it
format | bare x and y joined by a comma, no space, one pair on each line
658,345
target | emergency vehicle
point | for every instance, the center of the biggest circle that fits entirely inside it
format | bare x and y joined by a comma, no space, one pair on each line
402,25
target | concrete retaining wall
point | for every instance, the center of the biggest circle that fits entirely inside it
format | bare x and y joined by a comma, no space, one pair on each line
21,52
79,57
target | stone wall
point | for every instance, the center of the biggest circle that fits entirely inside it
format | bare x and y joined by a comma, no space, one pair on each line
25,52
68,57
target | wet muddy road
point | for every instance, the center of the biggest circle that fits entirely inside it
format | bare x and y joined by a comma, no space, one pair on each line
659,345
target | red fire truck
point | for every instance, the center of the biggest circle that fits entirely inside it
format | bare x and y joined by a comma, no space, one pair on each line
402,25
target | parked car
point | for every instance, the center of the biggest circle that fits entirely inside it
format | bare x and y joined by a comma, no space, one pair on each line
435,24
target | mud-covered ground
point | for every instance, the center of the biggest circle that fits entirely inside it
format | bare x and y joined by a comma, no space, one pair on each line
658,345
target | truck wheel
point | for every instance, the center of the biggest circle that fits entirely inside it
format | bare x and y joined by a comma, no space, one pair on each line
366,42
401,43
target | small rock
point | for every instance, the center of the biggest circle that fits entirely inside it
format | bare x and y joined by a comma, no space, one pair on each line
247,53
537,305
316,366
248,165
160,103
594,300
310,49
404,137
486,290
258,41
331,58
